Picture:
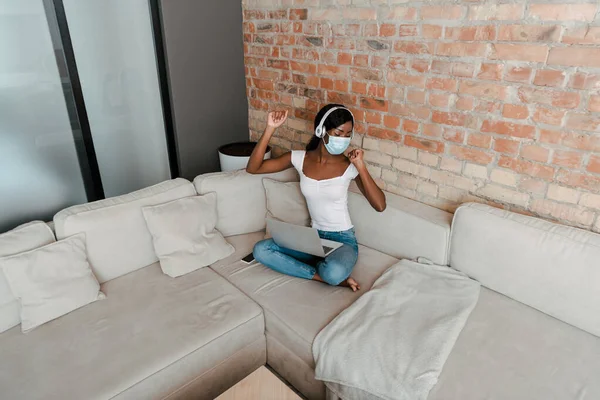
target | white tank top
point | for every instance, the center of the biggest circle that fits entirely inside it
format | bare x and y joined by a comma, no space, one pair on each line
327,199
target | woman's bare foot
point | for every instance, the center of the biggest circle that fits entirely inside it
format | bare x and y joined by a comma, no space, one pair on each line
351,283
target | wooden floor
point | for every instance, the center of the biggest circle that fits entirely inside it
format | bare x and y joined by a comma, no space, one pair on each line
260,385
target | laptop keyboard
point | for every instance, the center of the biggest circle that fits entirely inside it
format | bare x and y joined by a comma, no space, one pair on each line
327,249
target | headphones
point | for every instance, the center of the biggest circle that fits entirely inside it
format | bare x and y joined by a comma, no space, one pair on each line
320,131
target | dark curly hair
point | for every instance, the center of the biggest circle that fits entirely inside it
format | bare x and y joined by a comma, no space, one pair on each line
335,119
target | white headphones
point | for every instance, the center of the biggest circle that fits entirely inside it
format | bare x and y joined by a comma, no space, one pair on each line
320,131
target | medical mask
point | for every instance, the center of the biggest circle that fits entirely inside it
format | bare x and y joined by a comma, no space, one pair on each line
337,145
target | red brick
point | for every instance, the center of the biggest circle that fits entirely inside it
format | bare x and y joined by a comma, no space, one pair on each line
366,74
373,118
441,100
594,103
277,14
527,167
332,70
413,47
299,14
408,30
549,116
490,71
407,80
506,146
298,27
391,122
454,135
374,104
471,33
447,118
415,96
575,56
456,49
424,144
549,136
341,98
535,153
553,98
509,129
401,13
397,62
519,52
442,12
378,61
479,140
568,159
448,85
279,64
305,54
385,134
496,12
488,107
581,141
579,180
432,130
359,87
411,111
387,30
549,77
340,85
254,14
376,90
303,67
481,89
410,126
582,35
422,66
529,33
464,103
361,60
467,154
359,13
563,12
530,185
518,74
327,83
263,84
431,31
594,164
395,93
344,58
583,122
515,111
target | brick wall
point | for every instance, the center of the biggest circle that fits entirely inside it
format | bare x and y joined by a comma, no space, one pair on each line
455,101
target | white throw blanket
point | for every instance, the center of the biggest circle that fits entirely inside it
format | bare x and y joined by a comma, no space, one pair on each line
392,343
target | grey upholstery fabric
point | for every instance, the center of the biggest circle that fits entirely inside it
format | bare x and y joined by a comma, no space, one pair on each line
296,309
149,338
508,350
551,267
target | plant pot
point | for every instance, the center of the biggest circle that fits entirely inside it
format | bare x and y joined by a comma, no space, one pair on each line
235,156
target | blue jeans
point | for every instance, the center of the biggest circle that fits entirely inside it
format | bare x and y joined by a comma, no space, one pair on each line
333,269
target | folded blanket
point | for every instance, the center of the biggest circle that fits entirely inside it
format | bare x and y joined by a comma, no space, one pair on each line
392,343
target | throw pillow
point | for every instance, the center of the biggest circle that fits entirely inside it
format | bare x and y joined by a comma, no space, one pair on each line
285,202
23,238
51,281
184,235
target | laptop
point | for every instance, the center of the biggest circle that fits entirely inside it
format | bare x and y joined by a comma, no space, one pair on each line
301,238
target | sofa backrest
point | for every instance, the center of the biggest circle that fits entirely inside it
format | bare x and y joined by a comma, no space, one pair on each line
241,201
117,238
406,229
553,268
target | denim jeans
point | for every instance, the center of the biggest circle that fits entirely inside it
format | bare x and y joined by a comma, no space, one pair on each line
333,269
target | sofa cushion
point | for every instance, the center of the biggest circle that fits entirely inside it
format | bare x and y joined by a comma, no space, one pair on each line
241,202
23,238
406,229
184,235
117,238
508,350
149,322
550,267
51,281
297,309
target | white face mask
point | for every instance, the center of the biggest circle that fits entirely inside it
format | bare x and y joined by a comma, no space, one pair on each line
337,145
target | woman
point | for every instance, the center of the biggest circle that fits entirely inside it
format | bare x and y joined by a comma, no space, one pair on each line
325,174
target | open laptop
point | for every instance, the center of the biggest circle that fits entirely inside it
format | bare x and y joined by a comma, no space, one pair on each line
301,238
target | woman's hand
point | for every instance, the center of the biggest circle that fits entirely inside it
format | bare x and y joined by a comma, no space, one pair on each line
356,157
276,119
